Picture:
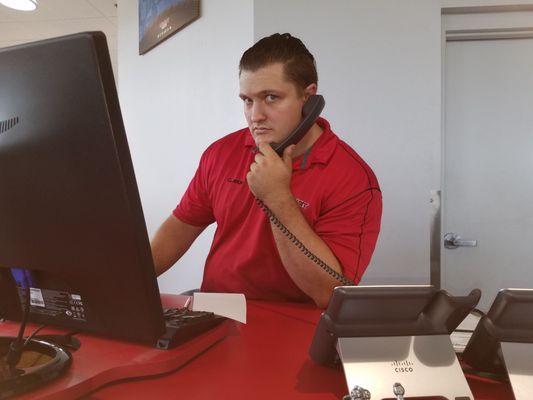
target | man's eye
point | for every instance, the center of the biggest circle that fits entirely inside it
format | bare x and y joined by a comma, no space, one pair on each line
247,101
271,97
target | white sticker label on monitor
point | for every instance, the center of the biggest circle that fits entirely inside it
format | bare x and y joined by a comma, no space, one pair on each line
36,297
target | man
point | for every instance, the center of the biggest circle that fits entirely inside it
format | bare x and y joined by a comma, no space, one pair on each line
320,190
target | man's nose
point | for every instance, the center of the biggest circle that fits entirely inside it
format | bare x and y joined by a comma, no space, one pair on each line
258,112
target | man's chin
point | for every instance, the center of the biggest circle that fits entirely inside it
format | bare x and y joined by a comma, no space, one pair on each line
260,140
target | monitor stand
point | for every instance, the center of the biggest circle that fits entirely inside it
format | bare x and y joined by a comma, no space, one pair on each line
422,365
41,362
517,358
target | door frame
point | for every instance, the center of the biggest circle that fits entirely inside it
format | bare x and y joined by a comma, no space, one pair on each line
438,208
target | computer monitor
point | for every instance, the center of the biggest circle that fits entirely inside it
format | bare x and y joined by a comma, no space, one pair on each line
510,319
70,211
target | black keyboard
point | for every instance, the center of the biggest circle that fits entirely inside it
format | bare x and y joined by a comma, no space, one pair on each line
183,324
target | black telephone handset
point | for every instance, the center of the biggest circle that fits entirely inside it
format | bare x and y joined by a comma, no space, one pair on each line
310,112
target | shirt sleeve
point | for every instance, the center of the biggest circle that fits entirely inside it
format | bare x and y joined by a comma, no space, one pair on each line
351,229
195,207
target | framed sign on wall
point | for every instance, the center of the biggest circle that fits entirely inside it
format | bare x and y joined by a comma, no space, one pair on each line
160,19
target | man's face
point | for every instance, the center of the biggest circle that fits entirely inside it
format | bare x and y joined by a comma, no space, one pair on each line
272,104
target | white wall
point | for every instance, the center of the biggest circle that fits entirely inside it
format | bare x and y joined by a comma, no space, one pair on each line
176,100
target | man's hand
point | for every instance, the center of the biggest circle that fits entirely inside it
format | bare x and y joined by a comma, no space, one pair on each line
269,180
270,176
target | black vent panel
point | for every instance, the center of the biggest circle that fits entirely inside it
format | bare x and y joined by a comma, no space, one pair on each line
8,124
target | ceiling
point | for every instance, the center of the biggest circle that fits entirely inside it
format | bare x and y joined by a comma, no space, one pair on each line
60,17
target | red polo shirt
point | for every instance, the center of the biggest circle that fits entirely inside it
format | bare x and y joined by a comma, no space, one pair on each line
338,194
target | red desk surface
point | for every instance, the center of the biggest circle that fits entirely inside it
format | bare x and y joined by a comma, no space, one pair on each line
264,359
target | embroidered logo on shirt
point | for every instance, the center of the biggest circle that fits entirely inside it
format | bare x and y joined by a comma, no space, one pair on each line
302,203
235,180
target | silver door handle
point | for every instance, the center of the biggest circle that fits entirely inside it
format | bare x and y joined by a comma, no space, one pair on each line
453,241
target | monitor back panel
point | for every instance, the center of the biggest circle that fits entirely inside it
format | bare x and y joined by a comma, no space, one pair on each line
69,207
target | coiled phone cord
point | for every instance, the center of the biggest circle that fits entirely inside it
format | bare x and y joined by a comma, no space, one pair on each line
341,278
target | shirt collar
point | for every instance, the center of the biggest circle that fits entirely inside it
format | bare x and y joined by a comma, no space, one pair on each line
321,151
248,138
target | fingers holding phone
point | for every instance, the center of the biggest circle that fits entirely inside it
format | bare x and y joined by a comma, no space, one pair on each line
270,176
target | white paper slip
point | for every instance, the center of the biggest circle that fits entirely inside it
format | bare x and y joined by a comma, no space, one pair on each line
229,305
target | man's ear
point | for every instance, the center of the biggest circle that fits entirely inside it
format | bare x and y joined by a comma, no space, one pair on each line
310,90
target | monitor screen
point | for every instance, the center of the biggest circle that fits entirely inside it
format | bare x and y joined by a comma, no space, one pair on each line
70,212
